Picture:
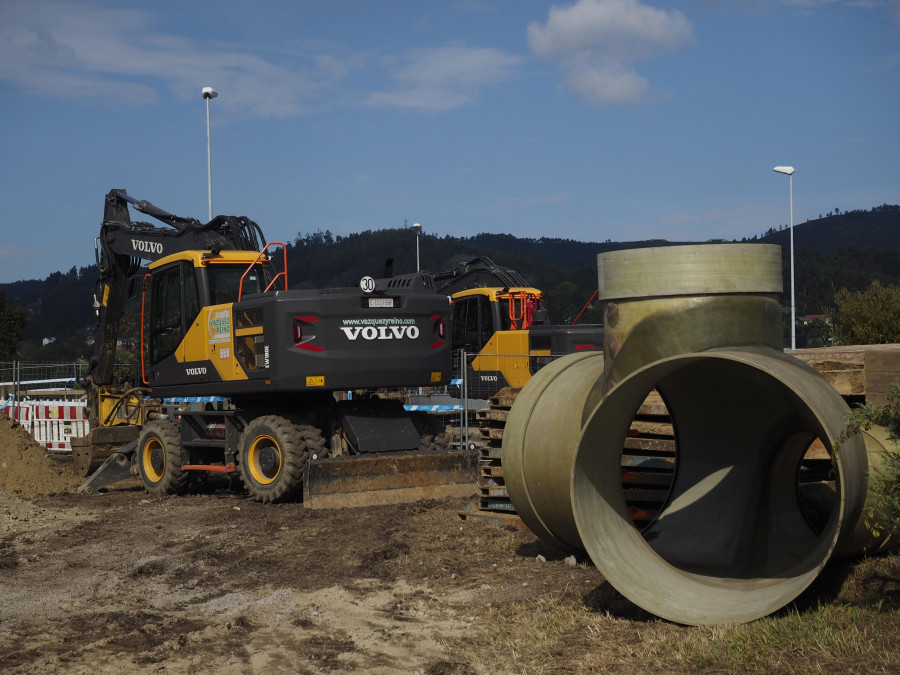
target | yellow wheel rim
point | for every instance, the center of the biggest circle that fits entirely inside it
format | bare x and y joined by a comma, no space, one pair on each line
153,458
264,460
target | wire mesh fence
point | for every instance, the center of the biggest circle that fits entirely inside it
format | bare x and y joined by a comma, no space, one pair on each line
22,379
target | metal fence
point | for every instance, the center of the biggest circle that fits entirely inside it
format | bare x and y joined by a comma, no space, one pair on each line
21,379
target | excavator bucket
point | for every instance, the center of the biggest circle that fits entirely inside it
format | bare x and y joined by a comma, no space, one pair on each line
117,467
390,478
91,451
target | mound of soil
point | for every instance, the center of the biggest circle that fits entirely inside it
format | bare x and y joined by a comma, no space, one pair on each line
26,469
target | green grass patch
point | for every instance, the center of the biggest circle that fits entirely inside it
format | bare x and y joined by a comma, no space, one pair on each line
828,639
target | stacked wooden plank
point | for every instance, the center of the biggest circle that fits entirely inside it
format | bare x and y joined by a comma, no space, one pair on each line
858,372
492,422
648,461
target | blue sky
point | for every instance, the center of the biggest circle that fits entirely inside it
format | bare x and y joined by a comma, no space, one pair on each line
589,120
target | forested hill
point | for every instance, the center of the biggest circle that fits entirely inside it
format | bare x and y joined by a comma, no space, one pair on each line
323,259
839,250
876,229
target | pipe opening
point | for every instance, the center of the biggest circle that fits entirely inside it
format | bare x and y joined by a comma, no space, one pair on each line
816,486
649,461
733,539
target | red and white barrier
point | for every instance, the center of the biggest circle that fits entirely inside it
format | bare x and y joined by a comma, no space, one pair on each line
52,423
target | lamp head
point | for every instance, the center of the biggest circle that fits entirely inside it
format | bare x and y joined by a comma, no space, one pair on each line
417,227
209,92
786,170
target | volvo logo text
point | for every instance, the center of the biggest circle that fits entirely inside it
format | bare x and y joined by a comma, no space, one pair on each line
147,246
381,332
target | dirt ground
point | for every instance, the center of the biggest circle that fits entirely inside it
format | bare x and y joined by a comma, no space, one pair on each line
215,582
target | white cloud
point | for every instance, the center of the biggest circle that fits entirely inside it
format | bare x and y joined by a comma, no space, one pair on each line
608,85
113,57
443,78
596,40
79,51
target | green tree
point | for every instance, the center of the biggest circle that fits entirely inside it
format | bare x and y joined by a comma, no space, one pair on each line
868,317
817,333
884,482
12,321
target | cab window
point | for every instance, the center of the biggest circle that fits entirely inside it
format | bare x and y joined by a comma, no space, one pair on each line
472,326
225,282
174,304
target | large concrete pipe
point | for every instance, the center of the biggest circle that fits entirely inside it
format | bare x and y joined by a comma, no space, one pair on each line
539,443
734,543
672,300
735,539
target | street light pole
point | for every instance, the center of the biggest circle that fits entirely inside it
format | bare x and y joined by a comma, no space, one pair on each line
418,228
209,93
789,172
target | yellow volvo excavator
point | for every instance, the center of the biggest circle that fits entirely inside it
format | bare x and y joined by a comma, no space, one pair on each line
501,322
217,319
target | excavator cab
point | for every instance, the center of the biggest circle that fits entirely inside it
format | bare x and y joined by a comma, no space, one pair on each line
188,313
479,313
180,285
494,325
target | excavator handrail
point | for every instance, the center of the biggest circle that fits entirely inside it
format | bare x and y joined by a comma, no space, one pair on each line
257,259
524,315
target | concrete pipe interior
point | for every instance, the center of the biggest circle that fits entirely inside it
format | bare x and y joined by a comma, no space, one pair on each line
734,541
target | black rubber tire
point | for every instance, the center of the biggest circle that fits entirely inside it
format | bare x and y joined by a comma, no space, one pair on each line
432,432
314,441
442,441
272,458
159,458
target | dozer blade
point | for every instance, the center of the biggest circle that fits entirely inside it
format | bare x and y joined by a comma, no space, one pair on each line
390,478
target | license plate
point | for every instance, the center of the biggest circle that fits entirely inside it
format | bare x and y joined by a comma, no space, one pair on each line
381,302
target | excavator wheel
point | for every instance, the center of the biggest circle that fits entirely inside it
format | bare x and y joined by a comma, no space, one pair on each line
432,432
273,458
159,458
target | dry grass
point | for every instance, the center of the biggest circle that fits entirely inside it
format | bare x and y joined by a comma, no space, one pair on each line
849,621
